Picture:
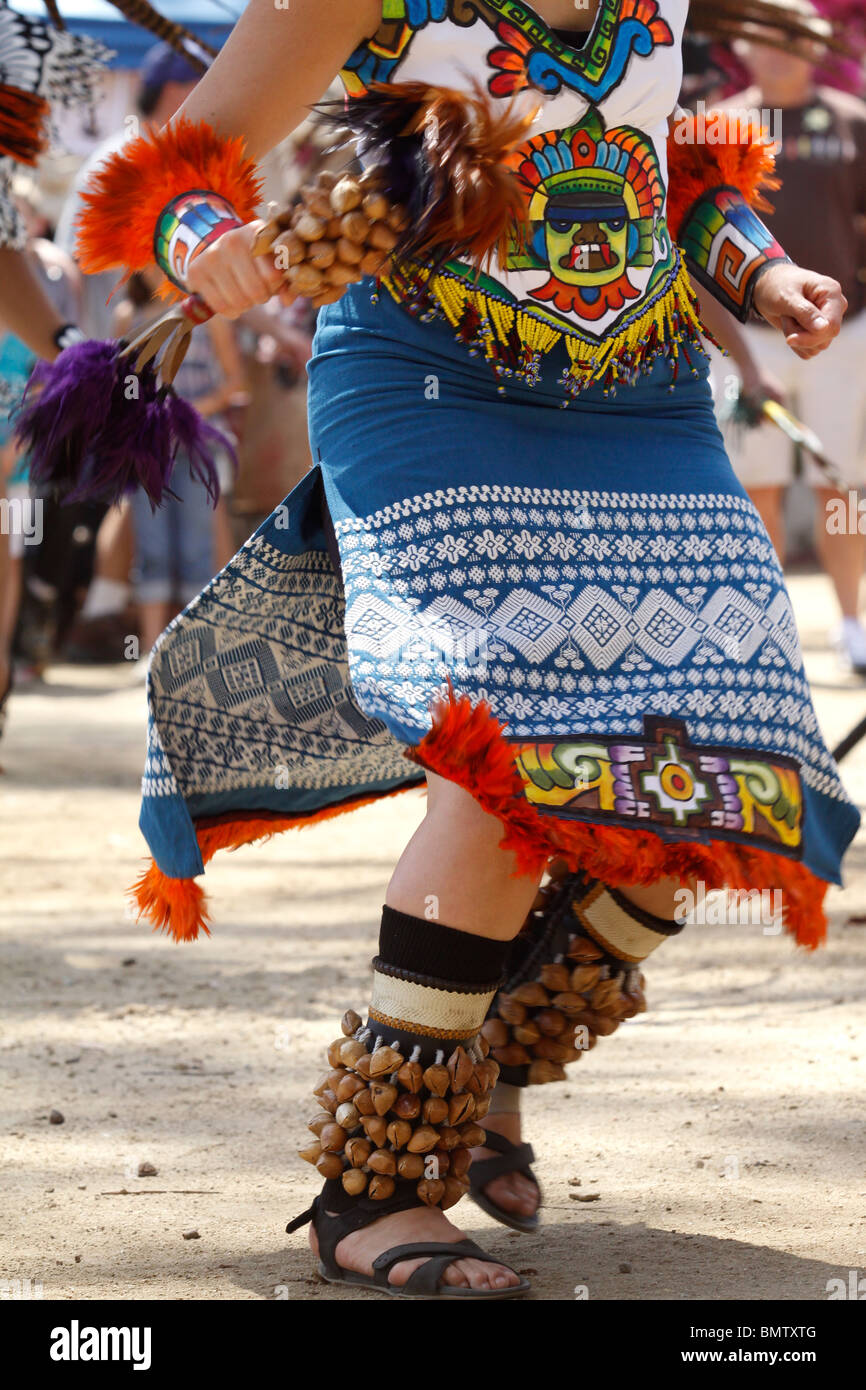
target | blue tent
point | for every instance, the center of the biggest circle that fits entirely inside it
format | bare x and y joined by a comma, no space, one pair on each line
210,20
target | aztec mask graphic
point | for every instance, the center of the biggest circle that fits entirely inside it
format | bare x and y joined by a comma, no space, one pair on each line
594,202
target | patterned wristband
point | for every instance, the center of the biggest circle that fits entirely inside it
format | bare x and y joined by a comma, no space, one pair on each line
727,248
186,226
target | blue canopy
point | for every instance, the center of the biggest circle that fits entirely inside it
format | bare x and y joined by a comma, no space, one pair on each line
210,20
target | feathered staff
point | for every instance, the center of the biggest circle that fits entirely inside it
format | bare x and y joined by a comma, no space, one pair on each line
435,185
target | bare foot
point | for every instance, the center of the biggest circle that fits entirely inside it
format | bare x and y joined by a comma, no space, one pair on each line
358,1250
514,1192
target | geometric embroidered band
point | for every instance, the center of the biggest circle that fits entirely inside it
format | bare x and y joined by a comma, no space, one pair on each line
618,928
431,1012
186,226
664,782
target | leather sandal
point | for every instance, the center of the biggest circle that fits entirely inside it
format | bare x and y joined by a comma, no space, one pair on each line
424,1282
514,1158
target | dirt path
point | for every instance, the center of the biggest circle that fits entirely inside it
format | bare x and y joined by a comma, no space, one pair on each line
722,1132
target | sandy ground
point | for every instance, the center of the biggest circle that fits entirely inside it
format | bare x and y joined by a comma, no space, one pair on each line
720,1137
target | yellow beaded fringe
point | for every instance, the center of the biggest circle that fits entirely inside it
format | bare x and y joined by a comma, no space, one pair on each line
657,328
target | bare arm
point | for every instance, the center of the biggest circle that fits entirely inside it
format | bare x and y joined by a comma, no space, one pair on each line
25,308
276,64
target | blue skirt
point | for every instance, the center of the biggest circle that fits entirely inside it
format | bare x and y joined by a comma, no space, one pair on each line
575,613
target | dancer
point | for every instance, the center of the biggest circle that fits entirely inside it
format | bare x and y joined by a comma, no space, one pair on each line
570,620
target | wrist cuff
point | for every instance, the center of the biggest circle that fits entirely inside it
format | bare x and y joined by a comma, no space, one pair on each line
186,226
727,248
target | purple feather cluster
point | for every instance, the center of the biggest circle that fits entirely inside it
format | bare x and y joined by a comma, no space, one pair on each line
94,428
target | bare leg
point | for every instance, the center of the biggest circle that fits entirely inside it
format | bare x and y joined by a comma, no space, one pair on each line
453,865
768,501
841,556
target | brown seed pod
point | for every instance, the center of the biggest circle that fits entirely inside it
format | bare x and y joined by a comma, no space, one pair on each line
399,1133
511,1011
333,1138
460,1161
569,1003
384,1096
322,254
350,1023
431,1191
511,1056
376,206
355,226
376,1129
495,1032
347,1116
318,202
461,1108
351,1052
443,1161
410,1165
448,1137
423,1140
322,1084
371,263
363,1102
334,229
334,1058
311,1154
605,996
326,178
527,1033
482,1105
354,1181
460,1068
383,237
328,296
382,1161
407,1106
330,1165
349,1087
349,252
288,250
411,1076
318,1122
384,1060
362,1066
397,218
381,1187
435,1110
341,274
492,1069
555,977
328,1101
551,1021
551,1050
483,1045
305,278
532,994
585,977
472,1136
309,227
454,1190
346,195
437,1080
357,1151
542,1071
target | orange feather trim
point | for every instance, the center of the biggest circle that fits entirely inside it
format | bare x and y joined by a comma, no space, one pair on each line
127,193
178,906
467,746
696,163
23,124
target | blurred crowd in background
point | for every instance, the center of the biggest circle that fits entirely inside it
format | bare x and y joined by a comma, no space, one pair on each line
101,584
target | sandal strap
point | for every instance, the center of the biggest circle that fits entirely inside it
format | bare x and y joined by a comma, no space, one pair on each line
425,1279
332,1226
513,1158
